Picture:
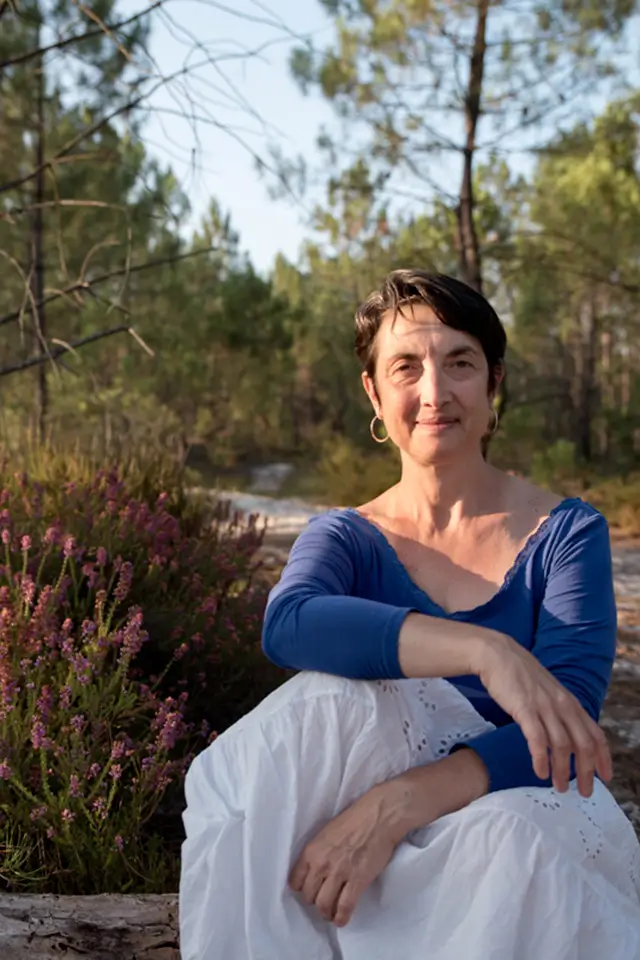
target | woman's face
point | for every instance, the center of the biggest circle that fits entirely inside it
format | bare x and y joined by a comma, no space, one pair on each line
430,386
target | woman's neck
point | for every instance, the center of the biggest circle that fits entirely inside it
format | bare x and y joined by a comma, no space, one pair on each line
440,496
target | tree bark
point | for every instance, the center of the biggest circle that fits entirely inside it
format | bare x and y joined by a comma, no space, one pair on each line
37,274
586,386
468,246
105,927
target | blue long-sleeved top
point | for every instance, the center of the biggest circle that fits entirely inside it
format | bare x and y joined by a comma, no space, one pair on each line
344,595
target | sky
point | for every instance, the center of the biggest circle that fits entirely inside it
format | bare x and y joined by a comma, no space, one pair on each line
243,96
210,162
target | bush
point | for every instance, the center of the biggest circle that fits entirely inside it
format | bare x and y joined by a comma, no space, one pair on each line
555,467
103,706
346,474
86,753
619,499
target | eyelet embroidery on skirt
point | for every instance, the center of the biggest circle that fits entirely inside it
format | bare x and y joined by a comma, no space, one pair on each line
426,709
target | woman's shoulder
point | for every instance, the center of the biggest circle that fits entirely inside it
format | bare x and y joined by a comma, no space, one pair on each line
553,511
340,525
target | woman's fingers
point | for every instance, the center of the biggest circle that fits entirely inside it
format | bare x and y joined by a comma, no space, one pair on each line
328,895
537,741
559,727
298,875
604,762
561,746
311,886
348,901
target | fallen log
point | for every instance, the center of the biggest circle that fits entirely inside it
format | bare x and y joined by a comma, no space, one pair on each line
104,927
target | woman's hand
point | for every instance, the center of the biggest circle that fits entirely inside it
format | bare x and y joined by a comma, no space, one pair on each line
553,721
347,855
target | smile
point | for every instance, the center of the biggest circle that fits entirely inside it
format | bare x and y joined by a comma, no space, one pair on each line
435,424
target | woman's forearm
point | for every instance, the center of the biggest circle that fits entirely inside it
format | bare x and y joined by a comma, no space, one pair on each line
434,647
424,794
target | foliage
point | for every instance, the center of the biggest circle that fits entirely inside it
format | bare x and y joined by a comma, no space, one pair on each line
129,634
619,499
245,369
555,466
87,752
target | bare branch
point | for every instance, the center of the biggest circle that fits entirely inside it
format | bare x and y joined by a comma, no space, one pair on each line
76,38
61,350
81,285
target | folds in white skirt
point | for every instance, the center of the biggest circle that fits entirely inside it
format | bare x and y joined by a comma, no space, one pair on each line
526,874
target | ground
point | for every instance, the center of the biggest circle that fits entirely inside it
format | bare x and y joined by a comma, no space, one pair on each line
621,714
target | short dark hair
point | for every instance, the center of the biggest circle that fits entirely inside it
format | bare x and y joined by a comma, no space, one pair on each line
455,303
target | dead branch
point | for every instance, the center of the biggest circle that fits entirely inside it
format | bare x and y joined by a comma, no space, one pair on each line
76,38
86,285
98,928
52,355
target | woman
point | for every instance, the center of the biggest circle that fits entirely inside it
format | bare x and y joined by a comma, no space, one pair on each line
369,808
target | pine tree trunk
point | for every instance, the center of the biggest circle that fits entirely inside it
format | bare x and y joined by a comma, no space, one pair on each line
38,279
587,384
467,239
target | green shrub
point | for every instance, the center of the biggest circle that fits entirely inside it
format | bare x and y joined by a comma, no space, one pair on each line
76,550
555,467
618,498
345,474
86,752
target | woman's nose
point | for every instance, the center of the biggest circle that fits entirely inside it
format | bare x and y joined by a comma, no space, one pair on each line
433,386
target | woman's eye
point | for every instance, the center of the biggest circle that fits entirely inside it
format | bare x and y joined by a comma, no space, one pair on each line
463,363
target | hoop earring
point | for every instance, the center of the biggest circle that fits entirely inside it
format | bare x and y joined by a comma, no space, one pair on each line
496,422
372,430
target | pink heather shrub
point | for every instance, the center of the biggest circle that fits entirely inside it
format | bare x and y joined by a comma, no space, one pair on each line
129,635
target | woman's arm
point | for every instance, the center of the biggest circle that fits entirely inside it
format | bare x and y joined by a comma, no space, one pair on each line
313,621
575,641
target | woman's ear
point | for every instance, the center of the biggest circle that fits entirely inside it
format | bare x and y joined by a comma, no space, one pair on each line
372,393
498,378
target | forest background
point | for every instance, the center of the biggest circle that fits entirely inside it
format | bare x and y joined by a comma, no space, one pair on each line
143,353
497,141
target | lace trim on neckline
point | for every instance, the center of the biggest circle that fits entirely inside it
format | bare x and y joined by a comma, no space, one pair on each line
529,544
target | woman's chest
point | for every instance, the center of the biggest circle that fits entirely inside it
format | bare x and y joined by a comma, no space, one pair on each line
459,576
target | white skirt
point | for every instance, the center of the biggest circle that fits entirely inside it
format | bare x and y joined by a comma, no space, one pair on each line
523,874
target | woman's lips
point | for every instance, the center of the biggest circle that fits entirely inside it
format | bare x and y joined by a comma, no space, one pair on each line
437,424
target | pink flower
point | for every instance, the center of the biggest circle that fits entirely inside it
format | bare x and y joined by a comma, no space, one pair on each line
93,771
37,813
44,703
68,816
115,772
172,729
78,723
25,543
101,557
6,537
51,537
39,739
5,771
28,589
118,842
124,581
51,833
74,785
69,547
